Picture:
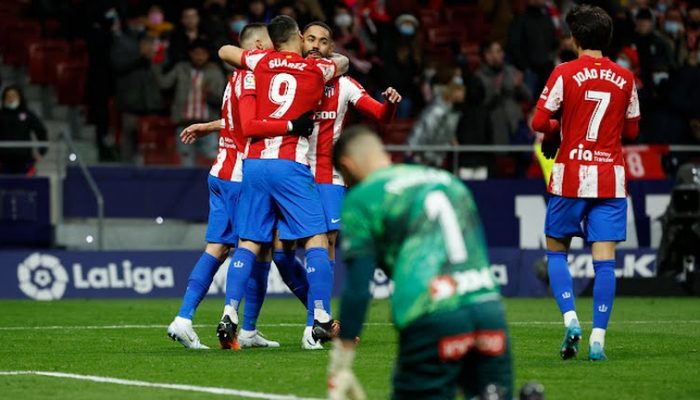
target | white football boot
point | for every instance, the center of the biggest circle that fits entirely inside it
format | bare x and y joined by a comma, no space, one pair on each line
181,330
255,339
308,342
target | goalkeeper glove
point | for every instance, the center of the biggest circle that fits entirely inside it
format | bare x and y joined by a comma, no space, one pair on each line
342,383
551,146
303,125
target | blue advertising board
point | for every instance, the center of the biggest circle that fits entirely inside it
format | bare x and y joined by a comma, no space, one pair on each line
53,275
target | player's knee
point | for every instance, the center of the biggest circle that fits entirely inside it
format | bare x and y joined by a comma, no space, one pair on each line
218,250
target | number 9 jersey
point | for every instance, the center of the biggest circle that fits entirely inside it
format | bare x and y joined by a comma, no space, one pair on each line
595,97
287,86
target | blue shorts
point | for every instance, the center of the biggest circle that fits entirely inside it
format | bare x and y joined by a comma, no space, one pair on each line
596,220
282,192
223,201
332,201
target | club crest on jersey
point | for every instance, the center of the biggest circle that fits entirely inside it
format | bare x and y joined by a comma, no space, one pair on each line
249,81
329,90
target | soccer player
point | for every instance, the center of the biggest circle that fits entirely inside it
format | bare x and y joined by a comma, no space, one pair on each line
224,187
421,226
339,94
598,103
278,181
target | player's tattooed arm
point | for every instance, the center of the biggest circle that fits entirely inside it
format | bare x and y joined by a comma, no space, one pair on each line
232,55
342,63
195,131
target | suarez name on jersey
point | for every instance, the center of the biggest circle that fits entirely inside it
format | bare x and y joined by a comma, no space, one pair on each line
595,97
229,161
287,86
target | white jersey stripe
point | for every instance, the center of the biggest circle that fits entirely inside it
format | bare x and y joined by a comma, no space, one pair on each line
588,181
620,191
557,179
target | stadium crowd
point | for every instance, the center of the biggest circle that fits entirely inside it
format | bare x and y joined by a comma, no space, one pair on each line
149,57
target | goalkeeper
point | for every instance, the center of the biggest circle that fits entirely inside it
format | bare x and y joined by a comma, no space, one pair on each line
421,226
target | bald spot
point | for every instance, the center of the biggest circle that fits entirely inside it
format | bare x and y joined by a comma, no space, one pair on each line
365,147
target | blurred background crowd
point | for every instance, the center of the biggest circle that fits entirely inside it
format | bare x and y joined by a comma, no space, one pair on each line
470,72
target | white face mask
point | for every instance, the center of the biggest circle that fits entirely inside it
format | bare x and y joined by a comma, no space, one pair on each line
343,20
13,105
624,63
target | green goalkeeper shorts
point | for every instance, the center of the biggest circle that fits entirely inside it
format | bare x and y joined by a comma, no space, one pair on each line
466,348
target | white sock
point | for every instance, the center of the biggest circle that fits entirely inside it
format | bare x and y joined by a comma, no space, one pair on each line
184,321
246,334
307,331
569,316
321,315
598,335
232,313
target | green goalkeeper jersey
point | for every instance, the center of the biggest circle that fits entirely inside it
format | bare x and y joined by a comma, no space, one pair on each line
422,227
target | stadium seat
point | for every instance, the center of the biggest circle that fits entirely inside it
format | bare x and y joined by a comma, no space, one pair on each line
440,36
397,133
70,82
15,50
44,55
155,132
429,18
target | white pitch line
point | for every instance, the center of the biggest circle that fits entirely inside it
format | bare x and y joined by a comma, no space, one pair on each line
190,388
288,325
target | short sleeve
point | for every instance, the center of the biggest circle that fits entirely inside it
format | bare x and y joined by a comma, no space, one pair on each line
633,106
352,90
248,84
327,68
251,58
357,238
553,92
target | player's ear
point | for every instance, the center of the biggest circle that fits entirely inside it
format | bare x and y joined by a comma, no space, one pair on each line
259,44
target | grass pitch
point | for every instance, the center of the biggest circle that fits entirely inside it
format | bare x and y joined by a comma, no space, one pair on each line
652,345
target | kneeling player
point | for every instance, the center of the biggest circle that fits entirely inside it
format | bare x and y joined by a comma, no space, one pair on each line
421,226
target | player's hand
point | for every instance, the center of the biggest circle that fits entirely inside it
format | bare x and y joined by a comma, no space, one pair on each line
550,146
342,383
391,95
303,125
193,132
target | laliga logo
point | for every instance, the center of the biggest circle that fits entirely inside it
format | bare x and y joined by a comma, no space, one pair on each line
42,277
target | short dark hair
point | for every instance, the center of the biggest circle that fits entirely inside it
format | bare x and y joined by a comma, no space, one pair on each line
321,24
486,46
281,29
249,30
591,27
347,138
199,43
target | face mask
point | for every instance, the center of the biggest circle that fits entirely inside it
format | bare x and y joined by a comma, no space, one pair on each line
343,20
155,18
672,27
238,25
624,63
659,77
662,8
458,80
407,30
12,105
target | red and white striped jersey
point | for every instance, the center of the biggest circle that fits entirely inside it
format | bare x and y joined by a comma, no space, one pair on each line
229,161
595,96
330,120
287,86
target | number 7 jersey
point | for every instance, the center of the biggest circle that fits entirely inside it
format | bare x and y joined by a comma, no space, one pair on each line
595,97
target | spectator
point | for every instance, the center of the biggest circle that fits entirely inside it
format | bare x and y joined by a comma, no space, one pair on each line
503,89
137,90
437,125
693,28
655,57
187,32
674,32
18,123
258,12
533,43
685,91
198,85
347,42
216,24
403,59
629,59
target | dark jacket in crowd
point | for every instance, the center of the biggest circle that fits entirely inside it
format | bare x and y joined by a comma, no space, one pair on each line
137,89
19,124
533,40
